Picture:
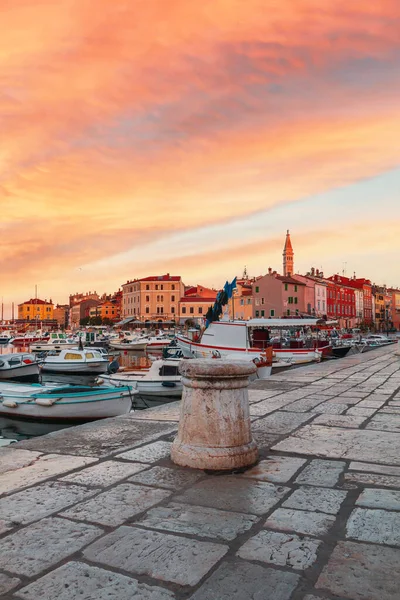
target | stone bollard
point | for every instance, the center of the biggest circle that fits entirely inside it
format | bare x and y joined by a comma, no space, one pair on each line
214,427
397,353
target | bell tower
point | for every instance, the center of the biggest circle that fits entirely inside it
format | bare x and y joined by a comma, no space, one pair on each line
288,257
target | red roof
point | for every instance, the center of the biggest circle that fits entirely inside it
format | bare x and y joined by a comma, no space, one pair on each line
288,244
287,279
166,277
34,301
197,299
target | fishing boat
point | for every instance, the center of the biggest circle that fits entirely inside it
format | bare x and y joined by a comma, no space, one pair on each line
253,337
68,402
158,343
6,337
161,379
29,338
21,365
56,341
75,360
138,343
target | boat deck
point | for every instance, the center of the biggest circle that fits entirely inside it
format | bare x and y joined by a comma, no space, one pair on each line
100,510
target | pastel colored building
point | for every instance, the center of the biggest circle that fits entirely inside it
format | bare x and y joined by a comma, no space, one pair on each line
154,298
395,307
341,302
61,314
315,296
195,303
82,310
278,296
241,303
36,310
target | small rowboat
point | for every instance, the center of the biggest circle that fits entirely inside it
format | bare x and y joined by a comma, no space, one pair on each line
64,403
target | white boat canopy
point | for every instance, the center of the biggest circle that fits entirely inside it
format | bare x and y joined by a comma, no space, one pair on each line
283,323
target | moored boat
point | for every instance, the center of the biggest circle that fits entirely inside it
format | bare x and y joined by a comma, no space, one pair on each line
56,341
20,365
75,360
58,403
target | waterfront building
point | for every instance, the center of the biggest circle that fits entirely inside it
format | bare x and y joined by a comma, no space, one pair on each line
363,297
395,306
315,297
288,257
241,303
36,310
195,303
80,297
81,310
341,302
278,296
61,314
154,298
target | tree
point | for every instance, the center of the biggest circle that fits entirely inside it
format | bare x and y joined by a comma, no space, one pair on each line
85,321
106,321
95,320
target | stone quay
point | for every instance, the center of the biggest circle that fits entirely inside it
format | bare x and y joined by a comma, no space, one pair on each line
101,511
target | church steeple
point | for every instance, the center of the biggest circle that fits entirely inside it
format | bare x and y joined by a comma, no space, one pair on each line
288,257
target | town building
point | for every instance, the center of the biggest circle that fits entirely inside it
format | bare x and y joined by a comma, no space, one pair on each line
61,314
195,303
395,306
288,257
154,298
315,295
278,296
241,303
81,311
341,302
80,297
36,310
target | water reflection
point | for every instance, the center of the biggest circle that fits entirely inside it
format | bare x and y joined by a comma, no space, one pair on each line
14,430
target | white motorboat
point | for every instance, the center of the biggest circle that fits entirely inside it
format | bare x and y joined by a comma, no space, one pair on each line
376,339
161,379
57,341
68,402
6,337
138,343
250,337
20,365
157,343
74,360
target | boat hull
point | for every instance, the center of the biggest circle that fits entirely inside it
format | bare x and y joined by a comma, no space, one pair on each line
64,367
121,346
289,356
25,371
147,387
71,409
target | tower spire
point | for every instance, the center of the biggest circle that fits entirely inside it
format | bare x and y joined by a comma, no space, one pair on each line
288,256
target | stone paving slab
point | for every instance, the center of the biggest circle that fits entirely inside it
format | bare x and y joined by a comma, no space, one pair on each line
43,544
277,469
148,454
385,422
300,521
234,494
374,468
198,520
8,583
105,474
164,477
160,555
282,422
117,505
374,525
332,442
40,501
323,473
240,580
339,421
78,580
44,467
15,458
373,479
361,571
316,499
282,549
377,498
107,437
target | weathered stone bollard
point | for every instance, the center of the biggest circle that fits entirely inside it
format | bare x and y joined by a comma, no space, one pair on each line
397,353
214,427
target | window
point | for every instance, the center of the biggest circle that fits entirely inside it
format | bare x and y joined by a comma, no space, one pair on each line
288,312
295,288
147,298
286,287
241,302
319,304
262,300
297,311
257,289
262,313
290,299
161,287
200,310
156,286
147,310
173,310
248,300
172,287
147,287
257,301
183,310
172,298
295,299
89,355
191,310
158,298
161,309
72,356
272,312
162,298
257,313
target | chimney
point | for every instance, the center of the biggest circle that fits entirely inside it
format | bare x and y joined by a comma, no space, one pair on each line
269,270
317,272
312,271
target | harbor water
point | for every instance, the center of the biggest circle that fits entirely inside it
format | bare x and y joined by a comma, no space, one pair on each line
14,430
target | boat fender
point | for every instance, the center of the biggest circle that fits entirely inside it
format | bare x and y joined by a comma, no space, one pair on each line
10,403
99,381
46,401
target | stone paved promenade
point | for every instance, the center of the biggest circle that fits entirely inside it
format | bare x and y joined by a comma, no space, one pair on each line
99,511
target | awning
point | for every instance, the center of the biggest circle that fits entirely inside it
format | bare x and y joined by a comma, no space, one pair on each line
125,321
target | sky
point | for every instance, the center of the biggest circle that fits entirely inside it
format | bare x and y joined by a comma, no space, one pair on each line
168,136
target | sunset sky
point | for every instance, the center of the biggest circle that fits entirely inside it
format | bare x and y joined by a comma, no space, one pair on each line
140,137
